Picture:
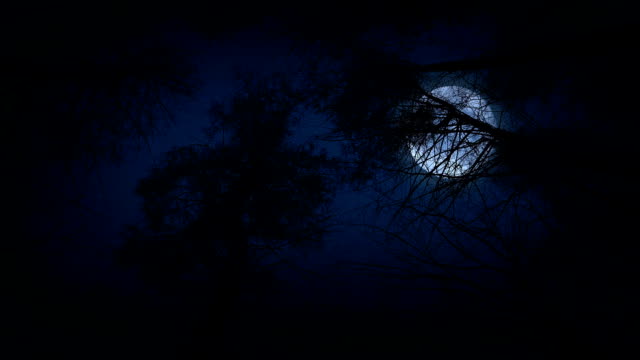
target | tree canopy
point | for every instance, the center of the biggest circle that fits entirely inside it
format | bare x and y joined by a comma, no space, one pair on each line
246,193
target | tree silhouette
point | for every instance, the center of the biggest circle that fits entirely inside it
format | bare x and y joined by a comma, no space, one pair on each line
442,158
214,211
445,155
77,98
503,209
82,88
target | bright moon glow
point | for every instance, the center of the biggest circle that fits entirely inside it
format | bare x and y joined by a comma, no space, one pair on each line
454,149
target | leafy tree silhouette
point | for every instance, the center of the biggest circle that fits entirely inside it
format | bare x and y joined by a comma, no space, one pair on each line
214,210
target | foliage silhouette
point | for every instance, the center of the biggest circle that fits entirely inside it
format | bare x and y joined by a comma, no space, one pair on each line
216,212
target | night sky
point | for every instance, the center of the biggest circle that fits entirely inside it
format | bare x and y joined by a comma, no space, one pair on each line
309,229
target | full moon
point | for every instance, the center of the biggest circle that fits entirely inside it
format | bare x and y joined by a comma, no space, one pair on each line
455,148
